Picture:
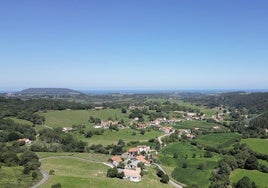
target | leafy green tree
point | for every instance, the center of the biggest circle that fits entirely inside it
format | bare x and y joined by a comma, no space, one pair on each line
34,175
57,185
251,163
165,178
245,182
112,172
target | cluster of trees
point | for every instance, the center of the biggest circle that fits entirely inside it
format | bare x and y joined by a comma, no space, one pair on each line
11,131
17,155
113,173
26,109
66,140
256,103
164,177
90,133
109,149
238,157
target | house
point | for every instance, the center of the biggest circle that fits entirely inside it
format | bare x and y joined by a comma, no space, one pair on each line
25,140
186,132
144,148
107,124
133,151
66,129
216,128
132,175
99,108
142,159
141,126
166,130
115,160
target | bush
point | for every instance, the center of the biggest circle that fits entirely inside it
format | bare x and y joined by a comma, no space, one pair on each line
57,185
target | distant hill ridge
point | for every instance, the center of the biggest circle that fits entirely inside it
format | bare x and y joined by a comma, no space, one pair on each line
49,91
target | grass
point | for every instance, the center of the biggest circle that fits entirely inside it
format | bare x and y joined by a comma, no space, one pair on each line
67,118
261,179
196,123
72,173
218,139
257,145
12,177
21,121
90,156
190,175
112,137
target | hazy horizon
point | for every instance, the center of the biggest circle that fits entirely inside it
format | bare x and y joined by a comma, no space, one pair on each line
133,45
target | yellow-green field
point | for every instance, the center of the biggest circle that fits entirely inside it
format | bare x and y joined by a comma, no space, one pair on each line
112,137
12,177
67,118
261,179
73,173
257,145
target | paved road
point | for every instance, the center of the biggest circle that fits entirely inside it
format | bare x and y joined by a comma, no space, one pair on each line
45,178
160,137
172,182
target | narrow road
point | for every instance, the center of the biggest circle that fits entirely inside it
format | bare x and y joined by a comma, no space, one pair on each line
160,137
173,183
44,180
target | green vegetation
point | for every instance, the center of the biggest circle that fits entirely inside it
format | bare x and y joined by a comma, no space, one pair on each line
257,145
112,137
68,118
72,173
203,125
188,162
261,179
218,139
14,177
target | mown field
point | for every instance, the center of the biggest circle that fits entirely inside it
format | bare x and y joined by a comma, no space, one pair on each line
261,179
73,173
257,145
89,156
112,137
67,118
193,157
218,139
12,177
196,123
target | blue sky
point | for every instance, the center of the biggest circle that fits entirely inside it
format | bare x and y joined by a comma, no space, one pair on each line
134,44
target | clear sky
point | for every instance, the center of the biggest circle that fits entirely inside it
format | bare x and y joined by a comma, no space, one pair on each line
134,44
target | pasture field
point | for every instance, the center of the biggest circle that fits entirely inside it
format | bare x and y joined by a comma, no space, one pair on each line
21,121
112,137
90,156
13,177
196,123
257,144
208,111
218,139
261,179
193,157
67,118
72,173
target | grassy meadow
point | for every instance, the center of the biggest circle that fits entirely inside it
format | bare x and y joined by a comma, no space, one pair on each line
72,173
196,123
67,118
193,157
218,139
261,179
257,144
12,177
112,137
